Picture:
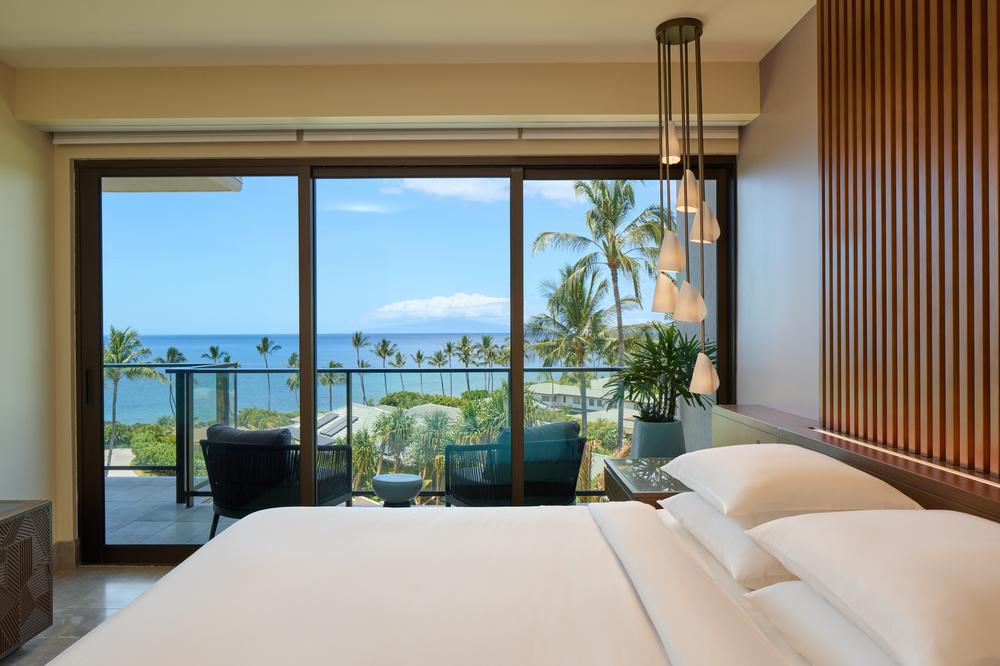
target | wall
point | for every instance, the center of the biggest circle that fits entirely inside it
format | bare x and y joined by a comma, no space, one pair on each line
366,94
25,301
778,276
910,143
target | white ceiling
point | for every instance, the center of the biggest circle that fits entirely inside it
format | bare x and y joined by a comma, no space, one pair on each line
96,33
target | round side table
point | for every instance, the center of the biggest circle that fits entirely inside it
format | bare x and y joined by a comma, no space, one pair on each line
397,490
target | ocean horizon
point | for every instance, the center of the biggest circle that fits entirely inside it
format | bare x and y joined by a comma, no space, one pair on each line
147,400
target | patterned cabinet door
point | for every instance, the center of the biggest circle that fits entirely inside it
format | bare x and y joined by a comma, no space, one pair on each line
25,574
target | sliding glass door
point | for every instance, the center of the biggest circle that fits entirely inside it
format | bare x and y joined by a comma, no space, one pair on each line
447,328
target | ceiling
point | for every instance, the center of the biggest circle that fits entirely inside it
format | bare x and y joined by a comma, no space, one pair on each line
103,33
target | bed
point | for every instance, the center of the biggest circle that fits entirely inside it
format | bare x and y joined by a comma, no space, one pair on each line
599,584
778,556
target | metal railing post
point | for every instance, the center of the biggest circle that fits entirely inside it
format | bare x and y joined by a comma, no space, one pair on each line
181,380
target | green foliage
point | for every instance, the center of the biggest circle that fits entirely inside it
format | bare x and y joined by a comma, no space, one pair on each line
407,399
154,444
259,418
658,373
603,434
475,394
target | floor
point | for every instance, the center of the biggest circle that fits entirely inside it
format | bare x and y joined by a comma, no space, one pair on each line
144,510
83,598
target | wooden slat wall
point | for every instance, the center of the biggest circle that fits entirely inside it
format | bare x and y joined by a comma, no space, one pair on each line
909,149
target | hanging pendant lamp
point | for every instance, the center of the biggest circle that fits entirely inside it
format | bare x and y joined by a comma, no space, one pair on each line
671,254
707,224
665,294
689,305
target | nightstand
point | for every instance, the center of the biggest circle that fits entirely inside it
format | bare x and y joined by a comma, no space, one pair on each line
639,479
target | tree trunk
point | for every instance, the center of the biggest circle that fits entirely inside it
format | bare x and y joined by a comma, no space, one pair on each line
385,378
114,422
583,398
402,381
330,389
442,382
364,396
467,386
268,375
421,375
621,348
451,380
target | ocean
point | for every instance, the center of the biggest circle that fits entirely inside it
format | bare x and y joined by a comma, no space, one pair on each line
147,400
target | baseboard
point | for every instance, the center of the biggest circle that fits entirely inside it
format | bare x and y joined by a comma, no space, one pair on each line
66,554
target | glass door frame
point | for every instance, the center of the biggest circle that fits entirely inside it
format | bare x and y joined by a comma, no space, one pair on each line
89,303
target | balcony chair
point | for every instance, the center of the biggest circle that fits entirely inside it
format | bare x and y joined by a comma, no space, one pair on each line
251,470
479,474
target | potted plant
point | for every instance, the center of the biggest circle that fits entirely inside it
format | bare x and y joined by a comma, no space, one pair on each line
658,373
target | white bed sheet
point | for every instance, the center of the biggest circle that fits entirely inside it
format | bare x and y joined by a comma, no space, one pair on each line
548,585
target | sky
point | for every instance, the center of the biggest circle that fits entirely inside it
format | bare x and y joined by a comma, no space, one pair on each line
393,255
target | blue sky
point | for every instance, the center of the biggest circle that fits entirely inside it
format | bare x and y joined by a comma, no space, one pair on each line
393,255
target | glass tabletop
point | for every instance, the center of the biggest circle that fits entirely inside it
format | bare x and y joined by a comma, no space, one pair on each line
643,475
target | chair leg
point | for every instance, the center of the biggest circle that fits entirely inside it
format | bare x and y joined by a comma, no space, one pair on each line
215,526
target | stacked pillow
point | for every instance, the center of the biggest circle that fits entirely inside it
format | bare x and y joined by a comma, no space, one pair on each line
841,563
740,487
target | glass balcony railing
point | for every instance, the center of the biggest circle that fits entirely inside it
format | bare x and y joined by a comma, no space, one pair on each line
394,420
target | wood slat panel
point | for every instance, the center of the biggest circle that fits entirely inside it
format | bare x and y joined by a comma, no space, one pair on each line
909,148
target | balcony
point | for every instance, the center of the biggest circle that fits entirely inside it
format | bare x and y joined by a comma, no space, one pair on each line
156,486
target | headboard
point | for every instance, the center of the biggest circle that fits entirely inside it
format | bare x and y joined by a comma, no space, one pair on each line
932,484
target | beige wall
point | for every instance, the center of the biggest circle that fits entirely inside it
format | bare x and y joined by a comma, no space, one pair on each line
25,303
365,94
779,233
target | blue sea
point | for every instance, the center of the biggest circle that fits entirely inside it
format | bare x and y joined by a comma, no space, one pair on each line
146,400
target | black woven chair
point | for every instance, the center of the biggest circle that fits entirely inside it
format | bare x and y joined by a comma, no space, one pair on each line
254,470
479,474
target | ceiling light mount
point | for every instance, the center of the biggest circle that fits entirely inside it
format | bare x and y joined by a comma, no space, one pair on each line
679,31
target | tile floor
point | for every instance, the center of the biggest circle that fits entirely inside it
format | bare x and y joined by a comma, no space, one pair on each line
144,510
83,598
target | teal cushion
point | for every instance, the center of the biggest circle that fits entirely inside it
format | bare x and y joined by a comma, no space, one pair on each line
542,443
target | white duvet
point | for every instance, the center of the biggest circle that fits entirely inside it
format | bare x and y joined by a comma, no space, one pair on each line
598,584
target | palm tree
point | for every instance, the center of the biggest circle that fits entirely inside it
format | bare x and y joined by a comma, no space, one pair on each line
124,348
359,341
364,457
487,352
466,354
331,379
215,355
293,380
439,360
384,350
173,357
265,348
419,359
573,324
395,432
432,437
449,351
399,361
362,364
624,245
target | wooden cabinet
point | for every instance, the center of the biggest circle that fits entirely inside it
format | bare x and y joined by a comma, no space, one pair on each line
25,572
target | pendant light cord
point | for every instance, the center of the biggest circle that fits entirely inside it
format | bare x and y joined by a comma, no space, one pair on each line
701,174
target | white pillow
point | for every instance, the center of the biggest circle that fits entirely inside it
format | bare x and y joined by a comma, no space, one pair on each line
755,483
925,585
814,628
745,561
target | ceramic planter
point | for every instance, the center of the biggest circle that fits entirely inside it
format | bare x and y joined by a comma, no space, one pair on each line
652,439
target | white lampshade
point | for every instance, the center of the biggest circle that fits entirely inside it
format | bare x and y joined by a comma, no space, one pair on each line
704,379
687,193
672,150
665,294
690,305
712,230
671,253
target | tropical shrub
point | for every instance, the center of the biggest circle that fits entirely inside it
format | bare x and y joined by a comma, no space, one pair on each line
154,444
258,418
407,399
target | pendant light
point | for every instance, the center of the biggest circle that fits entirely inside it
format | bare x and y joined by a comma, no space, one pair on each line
665,294
706,223
671,254
689,304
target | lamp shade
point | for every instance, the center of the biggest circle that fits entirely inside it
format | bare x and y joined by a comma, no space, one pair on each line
690,305
664,294
671,253
704,379
687,193
711,226
672,150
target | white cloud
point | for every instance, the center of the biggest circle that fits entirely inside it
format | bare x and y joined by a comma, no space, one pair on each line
560,191
482,190
390,189
360,207
470,306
